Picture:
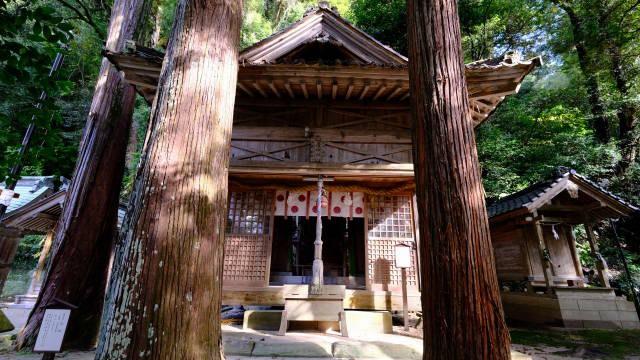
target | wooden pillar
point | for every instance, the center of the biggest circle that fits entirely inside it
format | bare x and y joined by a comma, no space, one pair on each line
574,254
601,264
544,257
317,278
9,241
405,301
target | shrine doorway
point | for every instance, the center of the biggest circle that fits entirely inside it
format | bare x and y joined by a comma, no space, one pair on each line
343,251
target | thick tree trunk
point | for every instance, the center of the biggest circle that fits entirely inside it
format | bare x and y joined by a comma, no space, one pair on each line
600,122
460,299
82,246
627,113
165,293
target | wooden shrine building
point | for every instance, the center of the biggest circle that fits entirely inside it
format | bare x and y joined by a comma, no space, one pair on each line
323,99
33,209
538,264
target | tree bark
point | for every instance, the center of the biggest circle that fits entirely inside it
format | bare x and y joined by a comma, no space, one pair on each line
165,292
600,122
460,299
627,113
82,245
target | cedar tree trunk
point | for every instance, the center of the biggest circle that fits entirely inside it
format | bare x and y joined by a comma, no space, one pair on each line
82,245
165,292
460,299
600,122
627,113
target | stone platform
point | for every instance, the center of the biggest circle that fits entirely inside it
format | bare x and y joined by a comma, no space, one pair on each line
355,322
595,308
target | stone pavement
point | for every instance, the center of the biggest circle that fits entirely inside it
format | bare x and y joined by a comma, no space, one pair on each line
238,342
247,344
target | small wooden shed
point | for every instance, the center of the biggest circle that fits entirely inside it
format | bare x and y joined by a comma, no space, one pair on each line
537,261
33,210
532,230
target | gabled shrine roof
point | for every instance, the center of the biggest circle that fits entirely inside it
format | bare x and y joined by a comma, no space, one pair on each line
38,206
541,194
29,189
322,26
323,56
40,214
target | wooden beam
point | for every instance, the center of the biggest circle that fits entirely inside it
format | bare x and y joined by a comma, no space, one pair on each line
400,171
334,90
572,208
259,88
348,136
245,89
481,106
338,103
601,264
544,257
319,89
364,92
394,93
380,91
274,89
140,81
406,96
349,90
303,85
287,86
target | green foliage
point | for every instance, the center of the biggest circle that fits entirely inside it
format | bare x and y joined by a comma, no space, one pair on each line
261,18
605,344
491,27
384,20
28,252
31,35
255,25
534,133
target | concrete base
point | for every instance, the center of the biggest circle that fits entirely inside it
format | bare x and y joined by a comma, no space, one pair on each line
368,322
356,322
596,308
26,300
262,320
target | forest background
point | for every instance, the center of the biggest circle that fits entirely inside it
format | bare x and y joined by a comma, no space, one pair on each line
579,111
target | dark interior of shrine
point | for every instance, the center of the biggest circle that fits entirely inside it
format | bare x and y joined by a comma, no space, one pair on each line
342,252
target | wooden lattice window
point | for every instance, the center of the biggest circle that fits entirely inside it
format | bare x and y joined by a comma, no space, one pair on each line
389,223
248,242
249,212
390,217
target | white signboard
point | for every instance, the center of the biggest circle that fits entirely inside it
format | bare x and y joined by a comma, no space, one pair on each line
403,256
54,325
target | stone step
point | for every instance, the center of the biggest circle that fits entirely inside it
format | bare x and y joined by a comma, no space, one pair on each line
320,349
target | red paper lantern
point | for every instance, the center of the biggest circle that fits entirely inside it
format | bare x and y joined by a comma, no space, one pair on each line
294,209
302,198
314,209
358,210
336,209
280,197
